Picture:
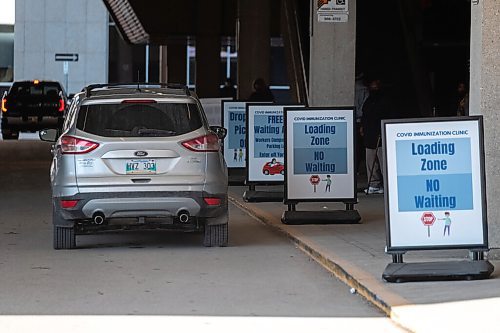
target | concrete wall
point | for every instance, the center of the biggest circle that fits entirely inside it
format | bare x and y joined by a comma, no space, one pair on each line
46,27
485,98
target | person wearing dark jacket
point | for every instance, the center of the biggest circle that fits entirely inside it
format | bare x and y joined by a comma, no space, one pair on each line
376,107
261,92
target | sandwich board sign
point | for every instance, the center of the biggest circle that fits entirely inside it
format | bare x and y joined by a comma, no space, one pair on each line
265,143
435,195
319,154
233,119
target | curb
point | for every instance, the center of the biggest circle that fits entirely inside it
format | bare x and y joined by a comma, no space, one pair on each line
362,282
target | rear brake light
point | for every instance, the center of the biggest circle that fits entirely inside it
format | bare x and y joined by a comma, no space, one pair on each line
212,201
61,105
4,104
65,204
72,145
138,101
206,143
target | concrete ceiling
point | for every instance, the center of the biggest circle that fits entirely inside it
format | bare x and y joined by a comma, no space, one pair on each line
153,21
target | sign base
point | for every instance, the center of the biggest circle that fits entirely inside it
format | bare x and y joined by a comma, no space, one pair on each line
438,271
262,196
236,176
323,217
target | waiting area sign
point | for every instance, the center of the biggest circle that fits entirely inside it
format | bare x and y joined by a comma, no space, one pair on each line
435,188
435,179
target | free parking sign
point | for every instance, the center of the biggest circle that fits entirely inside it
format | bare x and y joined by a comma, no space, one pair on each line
434,174
265,143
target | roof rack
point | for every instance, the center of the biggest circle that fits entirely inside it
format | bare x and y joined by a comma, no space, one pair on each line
88,89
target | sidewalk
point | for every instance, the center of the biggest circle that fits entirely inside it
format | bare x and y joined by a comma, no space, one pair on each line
355,255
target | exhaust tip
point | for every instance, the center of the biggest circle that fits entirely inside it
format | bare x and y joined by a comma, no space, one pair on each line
183,216
98,218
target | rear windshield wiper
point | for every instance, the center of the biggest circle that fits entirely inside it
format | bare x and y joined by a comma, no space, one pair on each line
155,132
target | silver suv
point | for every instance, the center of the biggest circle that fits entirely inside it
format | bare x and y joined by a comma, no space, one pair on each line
137,157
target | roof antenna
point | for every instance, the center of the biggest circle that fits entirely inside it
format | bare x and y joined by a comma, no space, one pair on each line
138,87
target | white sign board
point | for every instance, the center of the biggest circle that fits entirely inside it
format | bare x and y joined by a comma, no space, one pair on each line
319,155
265,143
335,11
435,183
233,119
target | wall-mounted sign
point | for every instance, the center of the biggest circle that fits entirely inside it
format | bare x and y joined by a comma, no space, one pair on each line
319,154
333,11
73,57
435,191
233,119
265,143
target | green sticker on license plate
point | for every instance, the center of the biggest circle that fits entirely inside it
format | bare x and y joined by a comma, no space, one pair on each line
140,167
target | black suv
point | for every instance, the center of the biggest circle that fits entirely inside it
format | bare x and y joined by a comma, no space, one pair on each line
30,106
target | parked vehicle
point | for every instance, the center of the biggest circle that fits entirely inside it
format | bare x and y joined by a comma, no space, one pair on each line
137,157
30,106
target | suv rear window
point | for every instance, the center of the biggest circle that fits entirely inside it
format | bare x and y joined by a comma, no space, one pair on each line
42,88
139,119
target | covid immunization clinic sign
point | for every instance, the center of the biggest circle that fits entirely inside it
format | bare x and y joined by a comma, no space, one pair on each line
265,143
435,188
233,119
319,154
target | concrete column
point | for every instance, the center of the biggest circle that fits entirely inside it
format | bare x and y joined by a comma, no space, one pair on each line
208,47
253,44
332,61
173,62
485,99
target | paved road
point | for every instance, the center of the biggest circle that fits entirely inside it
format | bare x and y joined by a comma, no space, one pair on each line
144,273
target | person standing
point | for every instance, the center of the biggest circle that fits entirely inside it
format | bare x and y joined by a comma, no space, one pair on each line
261,92
376,107
463,100
360,95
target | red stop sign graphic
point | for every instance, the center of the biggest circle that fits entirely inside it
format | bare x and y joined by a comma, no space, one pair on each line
314,180
428,219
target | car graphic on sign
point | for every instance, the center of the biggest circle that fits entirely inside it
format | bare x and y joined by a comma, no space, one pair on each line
273,168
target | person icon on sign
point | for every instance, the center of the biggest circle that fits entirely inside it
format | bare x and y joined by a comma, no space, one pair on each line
240,155
235,156
447,223
328,181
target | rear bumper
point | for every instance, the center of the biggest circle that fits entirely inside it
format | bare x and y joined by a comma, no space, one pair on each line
125,205
31,123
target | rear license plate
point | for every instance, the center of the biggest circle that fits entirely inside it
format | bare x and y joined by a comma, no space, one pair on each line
140,167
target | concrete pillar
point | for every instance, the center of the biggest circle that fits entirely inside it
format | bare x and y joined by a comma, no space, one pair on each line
332,60
485,99
173,62
253,44
208,48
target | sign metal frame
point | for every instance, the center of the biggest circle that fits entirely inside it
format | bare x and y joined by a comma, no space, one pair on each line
347,200
223,120
250,104
390,249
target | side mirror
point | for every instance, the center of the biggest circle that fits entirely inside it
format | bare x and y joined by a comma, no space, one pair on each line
48,135
221,132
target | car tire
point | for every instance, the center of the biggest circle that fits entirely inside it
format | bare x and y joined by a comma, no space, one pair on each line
216,235
64,237
282,172
8,135
266,172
